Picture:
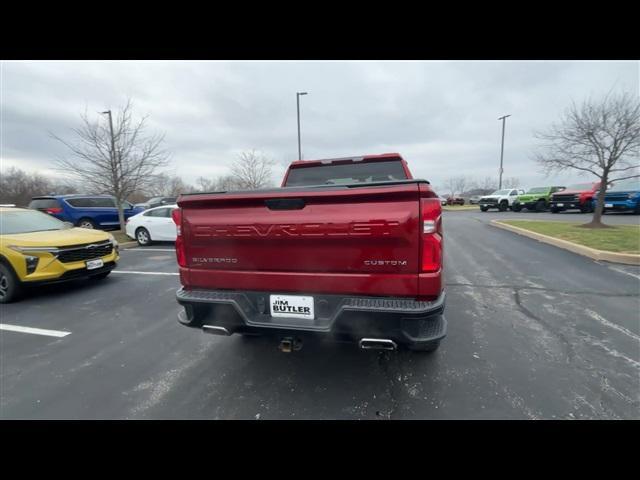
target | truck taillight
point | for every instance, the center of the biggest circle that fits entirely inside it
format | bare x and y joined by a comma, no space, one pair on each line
181,256
431,235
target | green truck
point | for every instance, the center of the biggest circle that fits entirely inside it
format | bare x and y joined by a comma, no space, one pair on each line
536,199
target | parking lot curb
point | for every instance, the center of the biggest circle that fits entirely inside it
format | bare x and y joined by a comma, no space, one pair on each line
600,255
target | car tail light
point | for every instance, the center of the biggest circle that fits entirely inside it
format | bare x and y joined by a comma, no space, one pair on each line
181,256
51,211
431,235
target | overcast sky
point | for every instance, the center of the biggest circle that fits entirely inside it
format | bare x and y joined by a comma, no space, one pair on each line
441,116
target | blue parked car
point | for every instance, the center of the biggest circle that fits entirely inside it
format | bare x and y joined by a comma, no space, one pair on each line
86,211
622,196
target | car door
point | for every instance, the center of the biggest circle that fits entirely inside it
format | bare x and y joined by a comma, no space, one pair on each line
166,224
157,222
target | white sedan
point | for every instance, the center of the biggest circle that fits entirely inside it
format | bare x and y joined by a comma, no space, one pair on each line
155,224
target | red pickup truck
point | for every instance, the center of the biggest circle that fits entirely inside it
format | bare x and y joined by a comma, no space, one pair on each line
347,249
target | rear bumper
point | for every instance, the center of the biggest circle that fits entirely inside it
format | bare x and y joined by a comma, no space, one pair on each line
342,318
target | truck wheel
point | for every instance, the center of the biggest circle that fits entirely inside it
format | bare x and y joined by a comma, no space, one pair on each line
555,209
142,236
424,347
86,223
541,206
504,205
10,287
516,207
484,209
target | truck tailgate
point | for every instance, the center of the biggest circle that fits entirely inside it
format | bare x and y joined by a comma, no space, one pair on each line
363,240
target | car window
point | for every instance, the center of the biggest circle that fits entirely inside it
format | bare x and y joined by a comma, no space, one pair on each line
79,202
126,205
344,174
44,203
102,202
514,192
158,212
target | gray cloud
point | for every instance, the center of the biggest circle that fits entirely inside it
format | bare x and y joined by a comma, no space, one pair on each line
442,116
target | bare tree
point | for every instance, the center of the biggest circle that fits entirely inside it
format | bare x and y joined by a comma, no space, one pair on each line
456,185
118,166
487,185
601,137
252,170
204,184
511,182
166,185
18,187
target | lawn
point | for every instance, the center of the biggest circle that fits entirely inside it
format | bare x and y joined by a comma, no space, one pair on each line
621,238
120,236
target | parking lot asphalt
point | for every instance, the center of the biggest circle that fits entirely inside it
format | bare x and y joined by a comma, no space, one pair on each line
535,332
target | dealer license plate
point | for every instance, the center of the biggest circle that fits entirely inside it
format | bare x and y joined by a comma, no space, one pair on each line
291,306
93,264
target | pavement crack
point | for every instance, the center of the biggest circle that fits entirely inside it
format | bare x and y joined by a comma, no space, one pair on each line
563,339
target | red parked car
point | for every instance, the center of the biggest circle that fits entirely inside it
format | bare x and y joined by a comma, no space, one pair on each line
575,197
348,249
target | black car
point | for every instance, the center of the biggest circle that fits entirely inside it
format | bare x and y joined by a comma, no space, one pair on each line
157,202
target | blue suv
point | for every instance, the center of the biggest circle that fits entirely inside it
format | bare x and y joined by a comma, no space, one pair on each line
622,196
86,211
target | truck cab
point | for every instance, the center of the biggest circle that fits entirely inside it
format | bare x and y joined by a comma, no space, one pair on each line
348,249
578,196
536,199
502,199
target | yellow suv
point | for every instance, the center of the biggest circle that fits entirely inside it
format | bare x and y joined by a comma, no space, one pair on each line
36,248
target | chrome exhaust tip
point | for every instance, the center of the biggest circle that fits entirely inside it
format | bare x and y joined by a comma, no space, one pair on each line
215,330
377,344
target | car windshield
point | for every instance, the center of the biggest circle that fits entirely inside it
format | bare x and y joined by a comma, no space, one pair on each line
626,186
27,221
580,186
501,192
538,190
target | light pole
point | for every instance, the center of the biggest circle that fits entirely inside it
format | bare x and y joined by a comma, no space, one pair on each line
113,143
502,150
298,105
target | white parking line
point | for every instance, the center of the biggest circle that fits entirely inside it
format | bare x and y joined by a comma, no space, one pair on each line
144,273
148,250
35,331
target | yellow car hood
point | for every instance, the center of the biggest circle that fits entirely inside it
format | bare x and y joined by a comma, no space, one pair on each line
55,238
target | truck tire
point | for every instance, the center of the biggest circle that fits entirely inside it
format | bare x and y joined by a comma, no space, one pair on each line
424,347
554,209
504,205
10,286
516,207
484,209
541,206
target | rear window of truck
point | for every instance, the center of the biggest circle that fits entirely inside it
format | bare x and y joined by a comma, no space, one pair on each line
348,173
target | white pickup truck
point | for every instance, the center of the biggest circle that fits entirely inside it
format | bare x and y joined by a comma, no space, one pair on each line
501,199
